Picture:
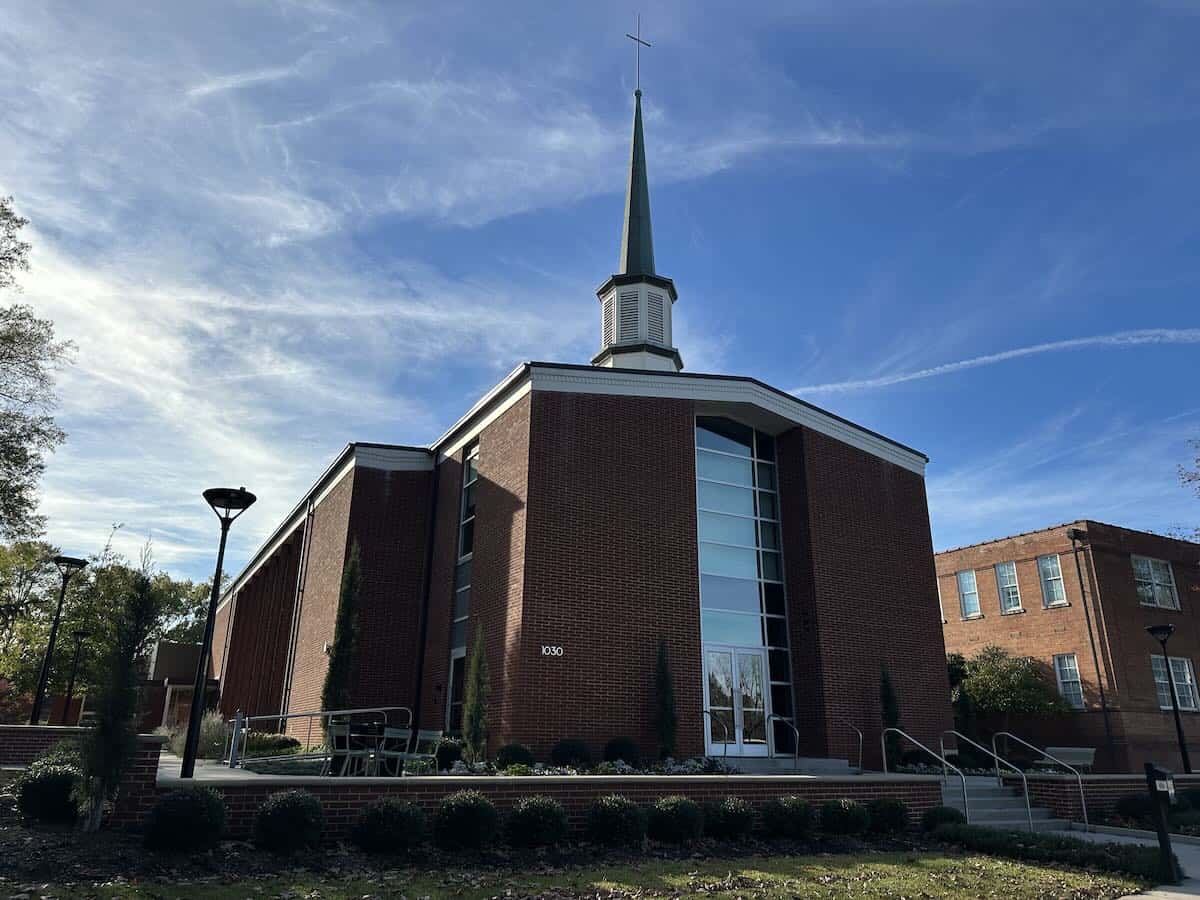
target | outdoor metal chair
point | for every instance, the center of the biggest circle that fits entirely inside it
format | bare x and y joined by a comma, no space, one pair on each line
393,750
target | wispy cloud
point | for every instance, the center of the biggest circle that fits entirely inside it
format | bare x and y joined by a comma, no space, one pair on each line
1118,340
239,80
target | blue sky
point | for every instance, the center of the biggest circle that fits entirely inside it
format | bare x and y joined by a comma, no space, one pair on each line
273,228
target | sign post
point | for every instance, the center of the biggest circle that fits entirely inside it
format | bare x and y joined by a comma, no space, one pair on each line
1161,785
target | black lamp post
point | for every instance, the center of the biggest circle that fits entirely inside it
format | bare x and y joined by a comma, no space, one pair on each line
1162,633
78,636
67,566
228,504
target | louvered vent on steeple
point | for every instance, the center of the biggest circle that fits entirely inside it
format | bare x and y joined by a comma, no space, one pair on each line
654,318
629,316
607,327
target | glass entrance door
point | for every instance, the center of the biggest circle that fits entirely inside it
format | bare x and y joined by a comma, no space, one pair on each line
735,697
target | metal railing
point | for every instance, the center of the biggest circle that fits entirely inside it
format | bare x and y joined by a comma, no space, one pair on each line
1072,769
796,745
998,760
241,728
857,731
724,727
945,763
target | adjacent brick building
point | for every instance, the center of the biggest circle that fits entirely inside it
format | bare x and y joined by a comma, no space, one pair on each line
1025,594
578,516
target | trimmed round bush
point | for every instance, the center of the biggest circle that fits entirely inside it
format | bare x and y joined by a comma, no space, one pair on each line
514,755
571,752
517,769
844,817
536,822
730,819
788,817
466,820
675,820
888,815
624,749
1135,806
449,751
185,819
941,815
288,821
265,743
44,791
388,825
616,821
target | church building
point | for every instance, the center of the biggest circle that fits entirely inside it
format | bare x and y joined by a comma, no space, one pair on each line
576,517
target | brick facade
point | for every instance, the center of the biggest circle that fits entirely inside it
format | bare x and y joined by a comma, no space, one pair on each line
1141,731
22,744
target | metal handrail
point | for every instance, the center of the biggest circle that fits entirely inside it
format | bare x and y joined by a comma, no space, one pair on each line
725,746
945,763
998,759
1072,769
240,733
796,745
857,731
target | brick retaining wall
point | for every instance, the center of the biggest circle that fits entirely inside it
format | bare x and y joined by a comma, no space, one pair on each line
22,744
1060,793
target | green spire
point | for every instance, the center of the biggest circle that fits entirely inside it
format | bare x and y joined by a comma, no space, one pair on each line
637,243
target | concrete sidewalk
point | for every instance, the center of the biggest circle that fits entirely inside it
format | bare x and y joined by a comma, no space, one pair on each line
1189,861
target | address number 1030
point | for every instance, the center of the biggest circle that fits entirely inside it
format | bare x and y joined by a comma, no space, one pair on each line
551,650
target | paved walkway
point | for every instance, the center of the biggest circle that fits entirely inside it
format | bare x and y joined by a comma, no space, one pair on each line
1189,861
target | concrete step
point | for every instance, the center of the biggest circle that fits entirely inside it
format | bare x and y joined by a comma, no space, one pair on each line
786,765
1022,824
995,803
1014,812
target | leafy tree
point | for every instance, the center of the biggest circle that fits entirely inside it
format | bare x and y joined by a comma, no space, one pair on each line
998,683
335,692
14,252
666,722
475,703
1191,478
960,701
889,716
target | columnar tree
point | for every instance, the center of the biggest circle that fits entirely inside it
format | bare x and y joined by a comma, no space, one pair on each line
335,692
666,722
474,725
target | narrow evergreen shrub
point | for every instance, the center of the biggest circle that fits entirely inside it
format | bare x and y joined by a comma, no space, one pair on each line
675,820
624,749
449,751
288,821
941,815
888,815
465,820
185,819
536,822
788,817
514,754
388,825
571,752
616,821
844,817
728,820
45,792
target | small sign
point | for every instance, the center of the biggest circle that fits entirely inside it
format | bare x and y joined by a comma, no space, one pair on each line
1161,785
552,650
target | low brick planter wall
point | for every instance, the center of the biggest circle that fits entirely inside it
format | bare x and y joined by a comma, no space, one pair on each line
22,744
1060,793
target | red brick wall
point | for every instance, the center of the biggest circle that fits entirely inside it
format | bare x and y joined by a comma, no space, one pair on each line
1060,794
220,644
22,744
860,579
138,789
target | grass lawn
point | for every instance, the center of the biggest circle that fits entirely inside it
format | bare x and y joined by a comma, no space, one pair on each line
893,875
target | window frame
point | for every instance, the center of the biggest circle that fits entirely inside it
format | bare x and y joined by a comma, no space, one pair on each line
978,614
1154,582
1189,703
1016,586
1078,680
1044,581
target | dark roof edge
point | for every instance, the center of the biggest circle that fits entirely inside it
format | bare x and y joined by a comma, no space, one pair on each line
1060,526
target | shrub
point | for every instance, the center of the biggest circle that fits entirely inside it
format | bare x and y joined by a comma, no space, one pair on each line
184,819
288,821
1135,806
888,815
265,743
388,825
536,822
788,817
465,820
45,791
1132,859
941,815
517,769
624,749
449,751
514,754
616,821
728,820
675,820
571,752
1190,796
844,817
213,737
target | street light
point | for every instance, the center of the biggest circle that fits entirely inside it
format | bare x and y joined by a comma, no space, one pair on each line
67,566
1162,633
228,504
79,637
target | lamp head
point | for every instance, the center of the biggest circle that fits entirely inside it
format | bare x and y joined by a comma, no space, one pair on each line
1161,632
68,565
229,503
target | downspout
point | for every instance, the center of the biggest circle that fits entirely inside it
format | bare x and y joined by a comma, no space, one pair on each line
431,535
1078,535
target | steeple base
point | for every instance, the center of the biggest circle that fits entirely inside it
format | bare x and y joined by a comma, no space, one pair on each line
639,356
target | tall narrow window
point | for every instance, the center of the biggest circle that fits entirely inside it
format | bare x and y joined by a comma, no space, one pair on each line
1184,676
1006,582
1050,572
1155,582
968,594
1066,670
461,609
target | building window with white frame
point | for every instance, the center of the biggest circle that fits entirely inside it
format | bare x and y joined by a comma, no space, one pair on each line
968,594
1184,676
461,608
1066,671
1006,583
1050,572
1155,582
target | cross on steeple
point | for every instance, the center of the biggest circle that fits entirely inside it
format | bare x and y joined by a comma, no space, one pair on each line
637,39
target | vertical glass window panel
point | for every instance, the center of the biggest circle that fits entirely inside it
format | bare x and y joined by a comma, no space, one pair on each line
457,692
718,592
765,448
765,476
462,575
777,661
781,700
725,498
1066,669
462,603
724,468
724,435
770,566
1185,682
738,629
472,470
752,690
466,543
777,635
726,529
1164,584
768,535
785,738
1052,583
458,635
968,594
720,680
754,726
1161,686
469,501
1006,580
773,602
1143,580
766,505
718,559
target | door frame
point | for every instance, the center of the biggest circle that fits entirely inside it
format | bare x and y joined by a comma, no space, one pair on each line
737,747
